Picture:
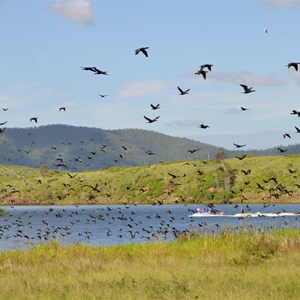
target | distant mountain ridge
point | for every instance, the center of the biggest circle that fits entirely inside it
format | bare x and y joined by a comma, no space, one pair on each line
83,148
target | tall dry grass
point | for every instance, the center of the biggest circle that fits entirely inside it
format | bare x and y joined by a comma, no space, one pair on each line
252,265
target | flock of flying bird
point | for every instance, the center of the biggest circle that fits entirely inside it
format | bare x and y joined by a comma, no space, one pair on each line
103,225
98,224
146,233
203,70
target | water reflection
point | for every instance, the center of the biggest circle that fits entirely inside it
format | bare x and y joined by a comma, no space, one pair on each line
22,226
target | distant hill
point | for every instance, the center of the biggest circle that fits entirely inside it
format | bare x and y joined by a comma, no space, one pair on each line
269,179
83,148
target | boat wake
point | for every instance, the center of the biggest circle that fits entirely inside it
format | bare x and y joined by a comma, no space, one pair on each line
247,215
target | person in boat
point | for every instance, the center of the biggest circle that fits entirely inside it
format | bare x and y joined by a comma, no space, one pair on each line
198,210
210,211
205,210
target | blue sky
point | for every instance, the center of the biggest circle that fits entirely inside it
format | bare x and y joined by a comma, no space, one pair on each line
44,44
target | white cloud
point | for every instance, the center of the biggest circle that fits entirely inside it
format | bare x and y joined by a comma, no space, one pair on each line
75,10
142,88
185,123
281,3
247,78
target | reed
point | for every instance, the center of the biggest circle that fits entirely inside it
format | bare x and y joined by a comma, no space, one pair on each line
247,265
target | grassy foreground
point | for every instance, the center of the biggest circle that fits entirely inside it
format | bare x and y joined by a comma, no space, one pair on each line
249,180
252,265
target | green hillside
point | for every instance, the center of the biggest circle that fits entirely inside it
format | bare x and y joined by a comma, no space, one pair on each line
249,180
71,148
81,148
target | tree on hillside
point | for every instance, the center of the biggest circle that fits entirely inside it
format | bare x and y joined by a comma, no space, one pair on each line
44,170
220,155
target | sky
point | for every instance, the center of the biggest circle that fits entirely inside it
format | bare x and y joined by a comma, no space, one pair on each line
45,44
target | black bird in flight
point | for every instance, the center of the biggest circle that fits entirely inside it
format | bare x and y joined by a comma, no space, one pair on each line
151,120
182,92
71,176
143,50
242,157
3,123
295,112
172,175
94,188
149,152
34,119
274,179
99,72
200,172
88,68
208,66
102,96
203,126
5,109
294,65
244,108
260,186
247,89
238,146
285,135
297,129
154,107
201,72
246,172
95,70
62,108
281,150
193,150
61,165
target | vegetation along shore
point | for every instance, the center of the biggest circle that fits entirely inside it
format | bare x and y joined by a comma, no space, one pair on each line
243,179
248,265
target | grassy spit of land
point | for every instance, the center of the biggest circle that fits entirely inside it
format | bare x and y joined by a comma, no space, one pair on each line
247,265
248,180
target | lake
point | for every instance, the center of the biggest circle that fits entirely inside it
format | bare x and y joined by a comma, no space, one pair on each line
102,225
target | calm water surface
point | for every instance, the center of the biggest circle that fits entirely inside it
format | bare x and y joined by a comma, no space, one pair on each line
23,226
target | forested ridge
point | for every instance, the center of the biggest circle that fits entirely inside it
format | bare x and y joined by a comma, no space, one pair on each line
83,148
